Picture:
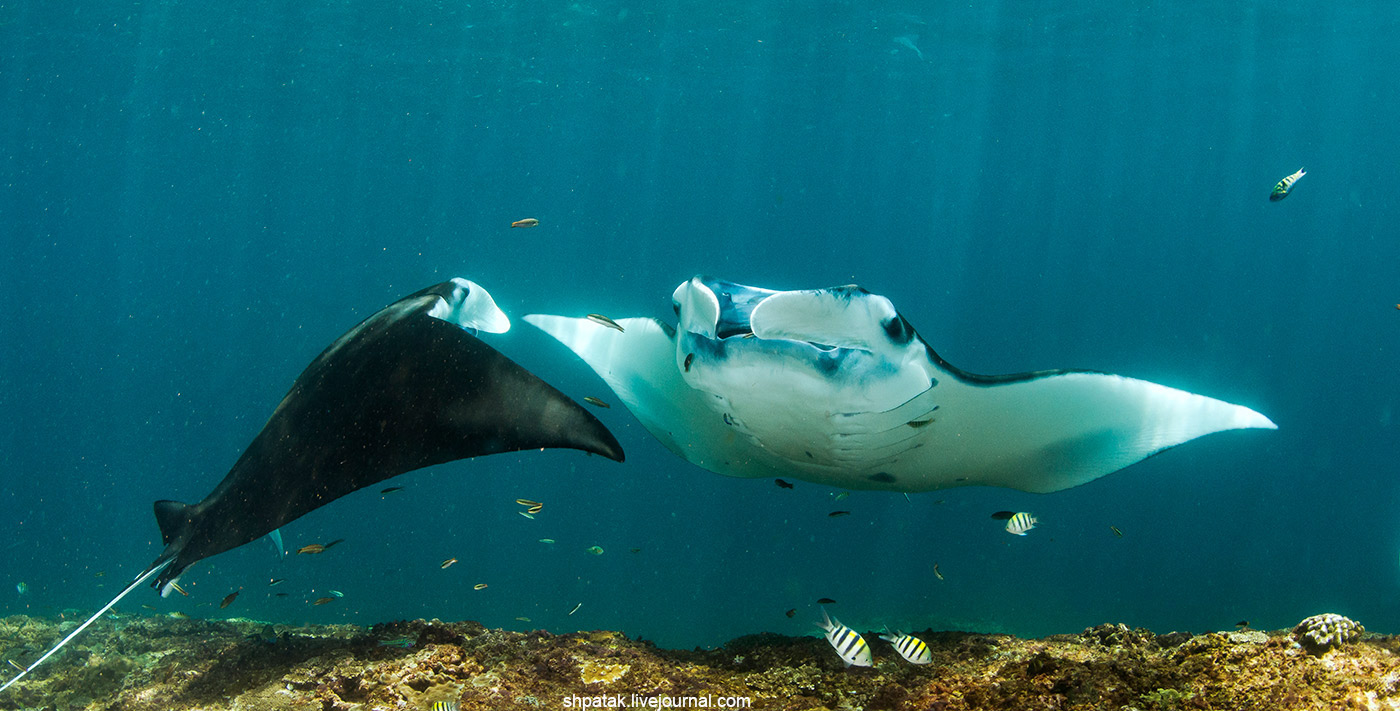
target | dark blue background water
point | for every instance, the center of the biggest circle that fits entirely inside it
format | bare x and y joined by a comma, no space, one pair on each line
196,198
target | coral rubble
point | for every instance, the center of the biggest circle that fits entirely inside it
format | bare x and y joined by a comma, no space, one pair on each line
166,664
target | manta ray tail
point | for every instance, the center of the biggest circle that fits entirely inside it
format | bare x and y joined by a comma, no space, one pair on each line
155,568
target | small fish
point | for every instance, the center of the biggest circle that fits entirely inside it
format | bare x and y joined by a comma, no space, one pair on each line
936,572
595,550
391,490
1242,623
602,320
635,550
281,594
1116,532
535,509
825,601
851,647
332,544
311,549
148,607
12,663
22,588
908,41
690,357
527,502
916,424
100,574
791,613
323,601
840,495
782,484
1003,515
1285,186
276,581
1020,523
526,514
837,514
597,403
336,593
444,706
479,586
228,599
179,616
527,222
910,647
546,540
176,587
448,563
399,642
522,619
576,607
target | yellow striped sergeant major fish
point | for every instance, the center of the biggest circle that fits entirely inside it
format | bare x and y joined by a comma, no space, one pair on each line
910,647
849,645
1285,186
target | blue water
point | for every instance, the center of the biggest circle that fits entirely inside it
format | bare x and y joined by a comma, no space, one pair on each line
195,199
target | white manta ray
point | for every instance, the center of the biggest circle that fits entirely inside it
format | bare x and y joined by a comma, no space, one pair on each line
833,386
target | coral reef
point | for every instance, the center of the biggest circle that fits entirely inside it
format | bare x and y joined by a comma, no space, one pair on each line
1321,634
167,664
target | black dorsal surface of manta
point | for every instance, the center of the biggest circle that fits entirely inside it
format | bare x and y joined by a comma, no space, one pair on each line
834,386
409,387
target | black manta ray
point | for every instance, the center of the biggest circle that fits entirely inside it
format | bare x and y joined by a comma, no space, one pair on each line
409,387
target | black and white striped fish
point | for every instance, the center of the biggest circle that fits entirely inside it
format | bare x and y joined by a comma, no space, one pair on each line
1021,522
851,646
910,647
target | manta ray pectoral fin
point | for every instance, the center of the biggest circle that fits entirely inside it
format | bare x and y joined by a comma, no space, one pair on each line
1058,430
639,365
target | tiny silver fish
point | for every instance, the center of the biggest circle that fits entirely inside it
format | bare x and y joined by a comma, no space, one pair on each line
605,321
1020,522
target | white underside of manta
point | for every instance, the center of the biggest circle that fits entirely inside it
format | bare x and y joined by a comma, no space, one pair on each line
833,386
